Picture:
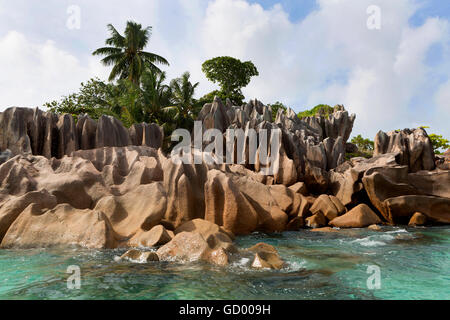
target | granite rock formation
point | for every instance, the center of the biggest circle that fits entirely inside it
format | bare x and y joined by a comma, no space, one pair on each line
98,184
33,131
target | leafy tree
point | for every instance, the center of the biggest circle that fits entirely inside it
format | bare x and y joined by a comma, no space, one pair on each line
209,97
438,142
126,55
363,144
231,74
319,110
94,98
275,107
145,102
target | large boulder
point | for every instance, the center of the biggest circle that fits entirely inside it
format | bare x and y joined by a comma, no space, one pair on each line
192,246
61,226
227,206
266,256
359,217
329,206
156,236
14,206
346,180
400,209
136,211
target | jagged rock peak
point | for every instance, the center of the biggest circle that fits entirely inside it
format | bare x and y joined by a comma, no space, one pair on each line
33,131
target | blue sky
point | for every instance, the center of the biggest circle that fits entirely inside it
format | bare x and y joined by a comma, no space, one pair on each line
307,52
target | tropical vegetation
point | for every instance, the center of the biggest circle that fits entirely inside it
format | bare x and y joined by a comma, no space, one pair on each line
231,74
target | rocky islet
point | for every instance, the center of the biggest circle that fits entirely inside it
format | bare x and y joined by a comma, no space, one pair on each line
98,184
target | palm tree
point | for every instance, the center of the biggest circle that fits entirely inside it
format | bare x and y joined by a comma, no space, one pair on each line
126,55
184,106
146,101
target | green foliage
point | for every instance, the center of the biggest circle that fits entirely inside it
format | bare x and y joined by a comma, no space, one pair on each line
236,98
275,107
126,55
363,144
438,142
94,98
319,110
231,74
365,148
184,107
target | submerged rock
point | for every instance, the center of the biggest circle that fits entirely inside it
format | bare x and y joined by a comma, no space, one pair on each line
138,256
266,256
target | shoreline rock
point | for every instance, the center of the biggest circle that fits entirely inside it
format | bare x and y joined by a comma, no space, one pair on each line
100,185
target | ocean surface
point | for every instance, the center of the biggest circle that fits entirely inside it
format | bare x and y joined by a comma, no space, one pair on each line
410,263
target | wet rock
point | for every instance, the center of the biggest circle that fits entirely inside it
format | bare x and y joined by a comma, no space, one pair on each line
138,256
318,220
374,227
266,256
417,219
192,246
156,236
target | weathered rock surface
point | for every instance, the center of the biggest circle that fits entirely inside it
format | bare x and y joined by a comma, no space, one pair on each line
100,185
359,217
215,248
398,195
61,226
309,147
156,236
33,131
330,206
414,148
266,256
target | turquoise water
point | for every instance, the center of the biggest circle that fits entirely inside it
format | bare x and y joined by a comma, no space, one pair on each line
414,264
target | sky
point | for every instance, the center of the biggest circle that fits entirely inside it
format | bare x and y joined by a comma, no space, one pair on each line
390,66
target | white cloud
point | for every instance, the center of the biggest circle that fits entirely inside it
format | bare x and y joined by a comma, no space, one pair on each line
328,57
34,73
331,57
